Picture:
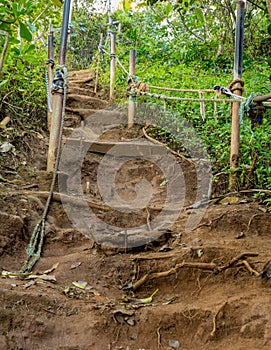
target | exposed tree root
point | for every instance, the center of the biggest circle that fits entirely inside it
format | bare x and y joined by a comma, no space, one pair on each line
150,276
68,199
212,267
74,200
168,148
215,318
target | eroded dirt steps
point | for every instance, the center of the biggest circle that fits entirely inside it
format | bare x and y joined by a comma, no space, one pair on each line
205,298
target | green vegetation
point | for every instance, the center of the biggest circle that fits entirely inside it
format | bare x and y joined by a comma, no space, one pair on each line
23,28
190,45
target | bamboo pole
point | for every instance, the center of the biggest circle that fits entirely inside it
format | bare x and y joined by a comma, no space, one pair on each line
112,65
112,33
98,64
132,99
237,74
58,97
50,73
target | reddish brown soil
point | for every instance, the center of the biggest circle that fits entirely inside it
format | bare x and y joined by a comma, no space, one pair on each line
225,306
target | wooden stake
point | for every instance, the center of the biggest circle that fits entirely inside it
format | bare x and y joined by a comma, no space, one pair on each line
112,65
132,99
98,64
56,121
50,73
238,60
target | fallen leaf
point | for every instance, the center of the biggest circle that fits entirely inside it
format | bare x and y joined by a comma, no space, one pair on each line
80,284
54,267
42,277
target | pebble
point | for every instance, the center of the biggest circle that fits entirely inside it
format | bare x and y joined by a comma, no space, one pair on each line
175,344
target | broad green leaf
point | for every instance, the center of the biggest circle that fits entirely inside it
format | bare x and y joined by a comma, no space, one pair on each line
199,14
58,3
25,32
14,41
30,48
2,83
168,9
126,5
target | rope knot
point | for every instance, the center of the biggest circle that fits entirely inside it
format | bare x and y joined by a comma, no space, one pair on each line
138,87
60,80
51,61
236,85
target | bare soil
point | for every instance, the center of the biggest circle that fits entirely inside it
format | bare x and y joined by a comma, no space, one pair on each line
207,284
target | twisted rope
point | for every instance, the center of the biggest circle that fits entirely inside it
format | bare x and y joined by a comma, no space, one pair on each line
165,97
34,248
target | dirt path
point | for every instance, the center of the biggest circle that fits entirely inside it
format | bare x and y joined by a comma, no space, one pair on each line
207,292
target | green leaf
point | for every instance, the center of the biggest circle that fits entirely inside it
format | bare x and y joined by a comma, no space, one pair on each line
30,48
58,3
269,29
2,83
199,14
25,32
168,9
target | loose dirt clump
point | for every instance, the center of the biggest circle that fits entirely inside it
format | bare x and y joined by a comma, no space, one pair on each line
109,287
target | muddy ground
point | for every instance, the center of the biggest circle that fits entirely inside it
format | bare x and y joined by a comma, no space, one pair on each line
91,287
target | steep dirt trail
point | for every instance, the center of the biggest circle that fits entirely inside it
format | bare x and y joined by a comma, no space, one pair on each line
210,302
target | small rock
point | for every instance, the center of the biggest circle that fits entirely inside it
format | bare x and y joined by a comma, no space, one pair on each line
133,337
75,265
130,321
196,241
175,344
199,252
240,235
6,147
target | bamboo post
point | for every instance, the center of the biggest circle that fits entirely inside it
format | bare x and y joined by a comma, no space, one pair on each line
98,63
112,32
132,98
238,61
50,73
58,97
112,64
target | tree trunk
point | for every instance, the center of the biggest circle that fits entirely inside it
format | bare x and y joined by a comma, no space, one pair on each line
268,5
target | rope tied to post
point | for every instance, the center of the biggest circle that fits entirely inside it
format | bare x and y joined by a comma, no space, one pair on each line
136,87
50,62
35,245
245,106
60,80
236,85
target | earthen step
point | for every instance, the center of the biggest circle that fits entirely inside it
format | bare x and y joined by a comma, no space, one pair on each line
83,101
100,116
81,73
81,91
130,148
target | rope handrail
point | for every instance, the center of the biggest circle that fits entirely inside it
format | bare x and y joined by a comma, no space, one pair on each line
164,97
181,90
